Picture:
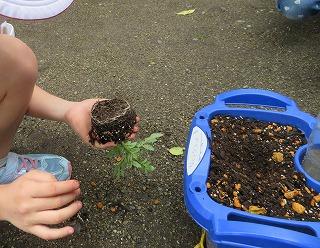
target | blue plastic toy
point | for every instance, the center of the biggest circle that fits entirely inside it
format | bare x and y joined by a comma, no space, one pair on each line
232,228
298,9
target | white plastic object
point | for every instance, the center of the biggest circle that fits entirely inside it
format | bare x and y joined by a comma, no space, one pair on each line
7,28
33,9
196,150
311,162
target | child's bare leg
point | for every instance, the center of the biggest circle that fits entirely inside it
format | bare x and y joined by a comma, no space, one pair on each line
18,74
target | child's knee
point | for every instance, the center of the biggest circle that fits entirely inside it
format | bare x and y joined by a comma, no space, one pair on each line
18,63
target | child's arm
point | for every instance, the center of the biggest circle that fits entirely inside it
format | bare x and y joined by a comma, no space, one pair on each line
46,106
75,114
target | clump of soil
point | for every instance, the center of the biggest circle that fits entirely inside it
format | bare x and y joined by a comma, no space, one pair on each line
252,169
112,120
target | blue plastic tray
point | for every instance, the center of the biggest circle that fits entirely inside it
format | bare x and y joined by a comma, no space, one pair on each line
228,227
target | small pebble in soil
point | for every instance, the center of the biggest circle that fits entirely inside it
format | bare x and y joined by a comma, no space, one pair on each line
208,185
237,186
297,207
277,157
291,194
113,209
236,202
283,202
99,205
257,210
156,202
317,198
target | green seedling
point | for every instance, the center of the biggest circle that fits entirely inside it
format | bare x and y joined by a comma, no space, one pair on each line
129,154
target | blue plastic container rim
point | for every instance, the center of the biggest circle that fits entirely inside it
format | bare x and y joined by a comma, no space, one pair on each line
225,224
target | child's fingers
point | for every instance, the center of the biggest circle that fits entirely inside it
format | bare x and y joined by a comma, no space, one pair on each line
41,204
135,129
47,233
132,136
49,189
52,217
41,176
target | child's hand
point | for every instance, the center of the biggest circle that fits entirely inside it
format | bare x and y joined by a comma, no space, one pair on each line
36,200
78,117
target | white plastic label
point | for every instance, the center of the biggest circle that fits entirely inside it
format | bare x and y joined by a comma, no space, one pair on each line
196,150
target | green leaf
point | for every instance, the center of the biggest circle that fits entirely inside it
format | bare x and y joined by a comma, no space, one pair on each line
128,161
135,156
156,135
129,144
148,147
134,144
130,154
136,164
153,138
140,143
135,150
148,167
113,153
186,12
120,149
176,151
117,171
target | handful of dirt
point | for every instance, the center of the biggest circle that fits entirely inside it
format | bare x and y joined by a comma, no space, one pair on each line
111,120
